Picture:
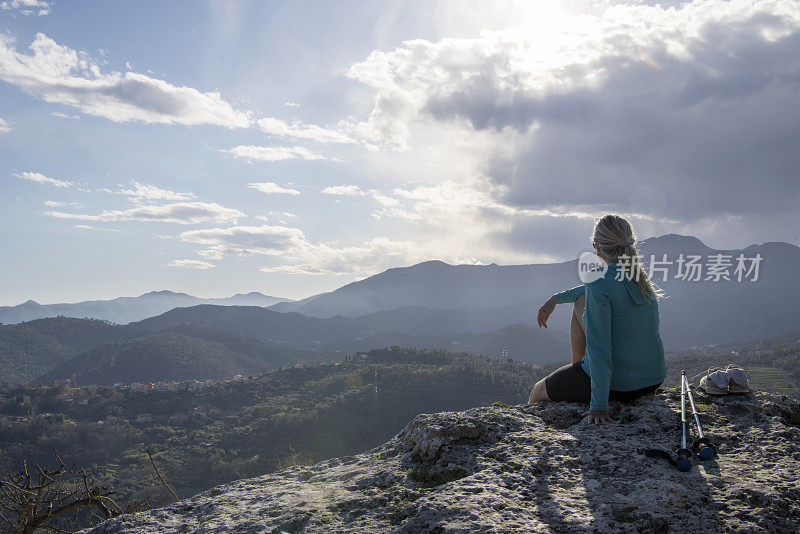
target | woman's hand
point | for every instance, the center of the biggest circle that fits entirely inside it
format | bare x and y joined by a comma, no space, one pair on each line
598,417
545,311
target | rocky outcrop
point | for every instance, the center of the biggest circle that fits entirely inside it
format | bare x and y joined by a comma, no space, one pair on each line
526,468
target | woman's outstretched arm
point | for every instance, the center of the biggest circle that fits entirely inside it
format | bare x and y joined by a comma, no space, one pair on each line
570,295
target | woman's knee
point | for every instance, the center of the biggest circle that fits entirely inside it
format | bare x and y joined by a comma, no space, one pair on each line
539,392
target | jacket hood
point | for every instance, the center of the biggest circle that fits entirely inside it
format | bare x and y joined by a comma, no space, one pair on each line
633,290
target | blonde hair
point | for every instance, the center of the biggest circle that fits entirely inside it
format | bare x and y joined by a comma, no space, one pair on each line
614,238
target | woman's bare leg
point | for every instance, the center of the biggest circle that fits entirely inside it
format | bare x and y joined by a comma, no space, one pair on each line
539,392
577,335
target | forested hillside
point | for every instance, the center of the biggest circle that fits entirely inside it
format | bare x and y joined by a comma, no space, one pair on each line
521,342
30,349
412,326
181,353
240,429
221,341
98,352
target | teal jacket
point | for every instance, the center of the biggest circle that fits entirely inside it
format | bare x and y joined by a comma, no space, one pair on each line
623,347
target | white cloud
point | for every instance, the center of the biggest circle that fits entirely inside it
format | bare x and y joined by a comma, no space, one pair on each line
65,116
300,130
4,126
54,204
349,190
84,227
510,132
213,254
272,188
448,201
292,252
291,105
384,200
286,214
247,240
191,264
178,213
42,179
354,190
366,258
141,191
58,74
274,153
27,7
505,78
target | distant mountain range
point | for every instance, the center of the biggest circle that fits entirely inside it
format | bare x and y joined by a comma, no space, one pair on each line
489,309
702,312
126,309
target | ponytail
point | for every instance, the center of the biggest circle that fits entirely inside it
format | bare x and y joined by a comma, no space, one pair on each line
638,274
614,239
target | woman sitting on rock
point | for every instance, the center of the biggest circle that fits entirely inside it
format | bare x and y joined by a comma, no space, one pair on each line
617,352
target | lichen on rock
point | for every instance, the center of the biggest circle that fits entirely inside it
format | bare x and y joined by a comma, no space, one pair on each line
526,468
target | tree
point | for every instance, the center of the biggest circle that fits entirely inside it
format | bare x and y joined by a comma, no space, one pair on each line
56,499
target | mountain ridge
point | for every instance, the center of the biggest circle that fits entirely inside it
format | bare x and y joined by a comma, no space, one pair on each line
434,298
357,298
123,310
698,312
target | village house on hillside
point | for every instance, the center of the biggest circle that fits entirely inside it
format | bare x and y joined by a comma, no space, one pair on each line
173,385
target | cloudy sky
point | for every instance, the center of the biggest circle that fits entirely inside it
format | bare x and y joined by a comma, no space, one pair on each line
293,147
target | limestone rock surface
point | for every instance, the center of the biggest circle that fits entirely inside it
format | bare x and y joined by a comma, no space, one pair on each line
526,468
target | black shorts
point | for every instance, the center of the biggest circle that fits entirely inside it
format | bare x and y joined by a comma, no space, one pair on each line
571,384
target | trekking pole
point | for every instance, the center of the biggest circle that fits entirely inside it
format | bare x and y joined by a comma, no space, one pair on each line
684,454
705,449
684,461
